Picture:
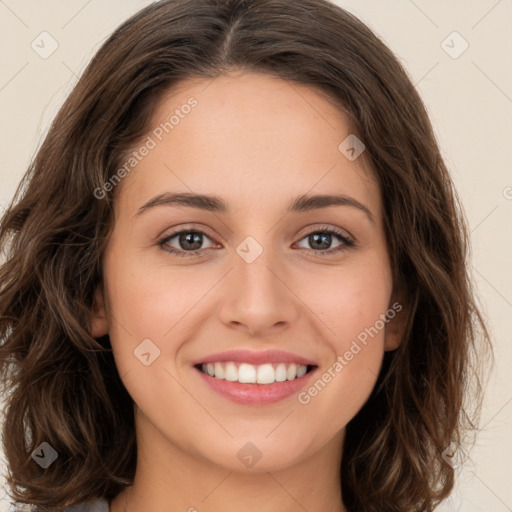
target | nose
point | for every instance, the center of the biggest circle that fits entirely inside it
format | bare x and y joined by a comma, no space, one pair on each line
258,297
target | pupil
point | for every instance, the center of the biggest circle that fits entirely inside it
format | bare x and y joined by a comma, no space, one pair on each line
190,238
321,237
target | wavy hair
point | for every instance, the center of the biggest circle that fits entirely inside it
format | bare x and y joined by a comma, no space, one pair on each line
61,386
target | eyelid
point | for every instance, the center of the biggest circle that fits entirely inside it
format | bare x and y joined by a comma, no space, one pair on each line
313,228
176,230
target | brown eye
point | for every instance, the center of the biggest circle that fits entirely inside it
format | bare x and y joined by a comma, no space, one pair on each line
188,242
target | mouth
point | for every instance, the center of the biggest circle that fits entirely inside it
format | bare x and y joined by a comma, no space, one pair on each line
255,384
261,374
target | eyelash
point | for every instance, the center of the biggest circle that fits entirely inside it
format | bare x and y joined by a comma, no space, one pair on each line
347,243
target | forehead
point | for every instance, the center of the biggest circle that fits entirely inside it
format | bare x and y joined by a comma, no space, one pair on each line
251,138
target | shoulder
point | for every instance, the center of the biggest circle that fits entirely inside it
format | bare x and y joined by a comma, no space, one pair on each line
98,505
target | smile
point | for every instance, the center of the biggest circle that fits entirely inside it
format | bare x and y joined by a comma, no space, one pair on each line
244,387
247,373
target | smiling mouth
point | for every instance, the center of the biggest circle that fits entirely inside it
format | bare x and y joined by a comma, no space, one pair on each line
246,373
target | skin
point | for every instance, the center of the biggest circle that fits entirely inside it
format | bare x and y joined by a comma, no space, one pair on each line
258,142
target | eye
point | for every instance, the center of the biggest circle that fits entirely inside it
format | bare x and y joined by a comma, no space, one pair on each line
189,242
320,239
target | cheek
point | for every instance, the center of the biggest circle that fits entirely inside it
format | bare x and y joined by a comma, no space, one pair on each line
152,301
148,308
352,305
347,300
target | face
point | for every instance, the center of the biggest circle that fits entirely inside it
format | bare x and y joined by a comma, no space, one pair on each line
250,269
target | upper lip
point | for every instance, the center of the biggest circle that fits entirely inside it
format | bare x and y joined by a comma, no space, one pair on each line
252,357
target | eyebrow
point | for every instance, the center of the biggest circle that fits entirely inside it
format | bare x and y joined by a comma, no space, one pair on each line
216,204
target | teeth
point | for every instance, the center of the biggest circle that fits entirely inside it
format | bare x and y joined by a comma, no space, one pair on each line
292,371
219,371
254,374
231,372
281,372
247,373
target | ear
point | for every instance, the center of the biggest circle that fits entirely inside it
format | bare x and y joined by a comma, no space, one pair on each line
395,329
99,320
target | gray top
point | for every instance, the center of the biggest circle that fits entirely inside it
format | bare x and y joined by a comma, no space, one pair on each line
99,505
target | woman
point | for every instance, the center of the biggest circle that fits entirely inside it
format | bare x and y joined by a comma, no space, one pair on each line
253,368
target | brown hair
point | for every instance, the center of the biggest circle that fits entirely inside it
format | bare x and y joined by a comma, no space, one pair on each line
62,386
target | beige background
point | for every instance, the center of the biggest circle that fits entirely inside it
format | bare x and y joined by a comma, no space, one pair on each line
470,102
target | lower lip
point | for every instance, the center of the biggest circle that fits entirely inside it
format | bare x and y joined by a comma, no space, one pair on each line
256,393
